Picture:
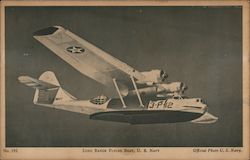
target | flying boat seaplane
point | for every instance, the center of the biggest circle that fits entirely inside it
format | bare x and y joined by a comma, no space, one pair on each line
142,97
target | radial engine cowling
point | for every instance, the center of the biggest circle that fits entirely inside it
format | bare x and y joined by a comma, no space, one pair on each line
154,77
173,87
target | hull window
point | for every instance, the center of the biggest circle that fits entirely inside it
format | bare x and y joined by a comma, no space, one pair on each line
99,100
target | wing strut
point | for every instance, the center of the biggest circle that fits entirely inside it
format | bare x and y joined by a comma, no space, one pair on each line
119,93
137,92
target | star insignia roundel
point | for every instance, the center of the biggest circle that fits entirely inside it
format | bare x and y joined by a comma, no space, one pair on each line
75,49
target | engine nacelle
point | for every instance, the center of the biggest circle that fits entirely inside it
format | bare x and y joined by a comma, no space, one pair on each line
153,77
161,90
174,87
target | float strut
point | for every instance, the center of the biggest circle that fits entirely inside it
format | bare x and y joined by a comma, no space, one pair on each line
137,92
119,93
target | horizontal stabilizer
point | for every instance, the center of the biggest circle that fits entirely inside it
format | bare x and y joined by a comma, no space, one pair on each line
35,83
206,118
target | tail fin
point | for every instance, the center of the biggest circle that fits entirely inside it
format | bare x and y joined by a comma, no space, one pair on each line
48,89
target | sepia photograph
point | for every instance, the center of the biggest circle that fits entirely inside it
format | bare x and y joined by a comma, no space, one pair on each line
126,81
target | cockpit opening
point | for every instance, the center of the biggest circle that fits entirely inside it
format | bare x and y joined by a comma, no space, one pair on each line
99,100
179,97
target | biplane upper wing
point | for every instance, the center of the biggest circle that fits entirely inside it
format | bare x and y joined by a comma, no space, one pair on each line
87,58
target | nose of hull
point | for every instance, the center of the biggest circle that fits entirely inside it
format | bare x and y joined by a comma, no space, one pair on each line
204,108
199,108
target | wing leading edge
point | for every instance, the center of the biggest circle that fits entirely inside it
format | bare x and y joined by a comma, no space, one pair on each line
87,58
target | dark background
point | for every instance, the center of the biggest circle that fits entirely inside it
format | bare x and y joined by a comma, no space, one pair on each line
200,46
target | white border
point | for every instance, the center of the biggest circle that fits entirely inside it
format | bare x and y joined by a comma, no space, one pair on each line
165,152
